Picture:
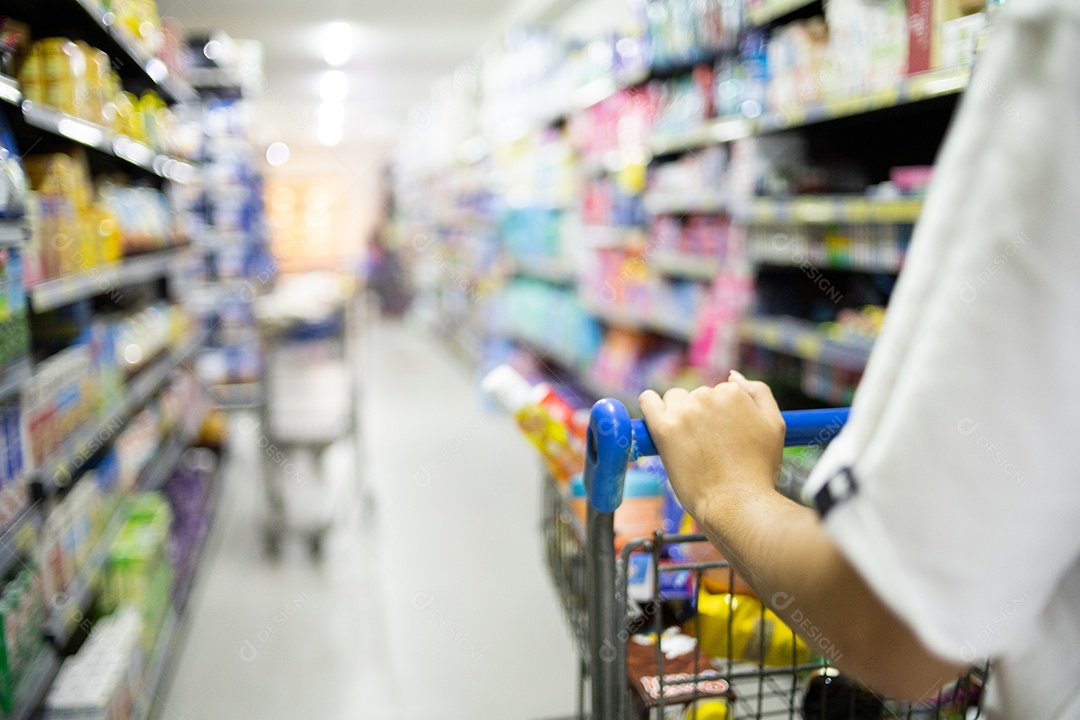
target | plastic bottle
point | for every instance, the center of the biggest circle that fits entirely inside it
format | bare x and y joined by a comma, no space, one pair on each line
547,419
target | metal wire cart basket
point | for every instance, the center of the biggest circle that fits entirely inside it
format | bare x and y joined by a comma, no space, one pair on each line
666,629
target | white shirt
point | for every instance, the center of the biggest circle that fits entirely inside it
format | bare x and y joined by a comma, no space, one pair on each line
964,438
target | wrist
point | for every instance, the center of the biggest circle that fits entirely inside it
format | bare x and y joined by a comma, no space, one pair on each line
721,506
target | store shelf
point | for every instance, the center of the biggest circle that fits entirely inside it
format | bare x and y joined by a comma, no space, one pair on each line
803,339
65,290
160,660
601,390
676,202
716,131
96,137
545,352
769,11
673,327
12,232
34,688
917,88
166,460
88,20
14,376
16,539
836,209
72,605
10,92
238,396
186,586
58,470
552,270
613,237
695,267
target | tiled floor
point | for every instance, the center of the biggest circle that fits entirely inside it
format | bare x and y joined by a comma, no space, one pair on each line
432,601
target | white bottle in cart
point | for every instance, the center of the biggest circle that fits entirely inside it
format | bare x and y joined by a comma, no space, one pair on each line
550,423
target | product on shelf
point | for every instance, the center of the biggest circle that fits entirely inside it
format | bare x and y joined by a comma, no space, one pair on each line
138,571
79,80
552,318
188,491
681,32
14,490
79,227
22,638
104,677
61,396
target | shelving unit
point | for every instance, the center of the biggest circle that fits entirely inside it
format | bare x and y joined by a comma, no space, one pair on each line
797,201
802,339
55,484
134,155
926,86
824,209
36,686
672,327
681,202
12,233
696,267
554,270
133,270
98,28
18,536
767,11
58,470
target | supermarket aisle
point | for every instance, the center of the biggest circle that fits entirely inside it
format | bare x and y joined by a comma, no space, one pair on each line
433,601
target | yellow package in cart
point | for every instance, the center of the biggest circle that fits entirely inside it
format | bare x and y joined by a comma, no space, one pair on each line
742,626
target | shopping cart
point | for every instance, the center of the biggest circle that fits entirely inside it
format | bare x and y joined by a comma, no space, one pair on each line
618,633
309,404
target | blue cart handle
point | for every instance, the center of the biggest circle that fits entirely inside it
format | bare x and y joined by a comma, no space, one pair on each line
615,440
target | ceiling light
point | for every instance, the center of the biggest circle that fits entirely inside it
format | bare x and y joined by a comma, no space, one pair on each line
337,43
331,113
277,154
328,134
334,86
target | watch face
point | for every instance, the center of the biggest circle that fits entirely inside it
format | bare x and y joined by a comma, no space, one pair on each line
832,696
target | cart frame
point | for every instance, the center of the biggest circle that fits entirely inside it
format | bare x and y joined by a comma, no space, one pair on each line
592,580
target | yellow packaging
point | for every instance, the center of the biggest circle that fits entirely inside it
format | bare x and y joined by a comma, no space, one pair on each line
134,125
109,242
124,108
63,69
31,78
755,630
98,82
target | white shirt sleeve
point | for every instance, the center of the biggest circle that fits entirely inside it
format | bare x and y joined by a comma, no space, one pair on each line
964,431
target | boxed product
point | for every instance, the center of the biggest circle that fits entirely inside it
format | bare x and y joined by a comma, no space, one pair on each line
103,678
138,572
21,633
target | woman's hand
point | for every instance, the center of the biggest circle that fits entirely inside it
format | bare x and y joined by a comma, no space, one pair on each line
717,440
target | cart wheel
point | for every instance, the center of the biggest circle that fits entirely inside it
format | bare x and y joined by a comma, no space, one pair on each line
315,545
272,544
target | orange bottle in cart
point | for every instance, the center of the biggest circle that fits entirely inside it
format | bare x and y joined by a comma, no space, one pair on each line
550,423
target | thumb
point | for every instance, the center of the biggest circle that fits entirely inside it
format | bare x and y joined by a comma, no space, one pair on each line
651,405
761,395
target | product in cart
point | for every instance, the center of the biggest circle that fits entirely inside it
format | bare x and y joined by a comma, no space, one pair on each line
547,420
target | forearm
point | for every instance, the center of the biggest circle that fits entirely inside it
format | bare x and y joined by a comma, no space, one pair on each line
782,550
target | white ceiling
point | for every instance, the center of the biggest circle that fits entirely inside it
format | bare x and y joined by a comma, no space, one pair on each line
400,48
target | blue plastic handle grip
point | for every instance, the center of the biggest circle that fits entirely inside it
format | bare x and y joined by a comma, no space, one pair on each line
615,440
